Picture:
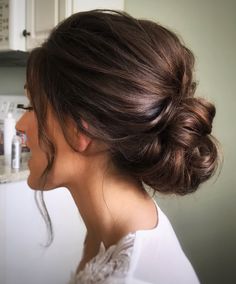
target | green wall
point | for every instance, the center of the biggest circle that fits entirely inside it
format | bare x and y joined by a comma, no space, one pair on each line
205,221
12,80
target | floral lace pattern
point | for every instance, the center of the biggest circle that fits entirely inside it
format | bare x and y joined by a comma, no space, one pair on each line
108,266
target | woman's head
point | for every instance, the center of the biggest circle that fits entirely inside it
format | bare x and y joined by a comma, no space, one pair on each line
131,81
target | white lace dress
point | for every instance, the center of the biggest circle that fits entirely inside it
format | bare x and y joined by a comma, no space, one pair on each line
108,266
146,256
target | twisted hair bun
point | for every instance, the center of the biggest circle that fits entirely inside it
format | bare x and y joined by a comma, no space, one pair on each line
183,154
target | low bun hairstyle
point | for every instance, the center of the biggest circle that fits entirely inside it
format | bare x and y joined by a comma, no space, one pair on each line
183,154
132,81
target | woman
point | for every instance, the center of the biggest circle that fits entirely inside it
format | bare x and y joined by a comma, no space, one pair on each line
112,112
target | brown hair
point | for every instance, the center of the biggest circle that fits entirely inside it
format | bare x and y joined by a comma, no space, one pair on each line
132,81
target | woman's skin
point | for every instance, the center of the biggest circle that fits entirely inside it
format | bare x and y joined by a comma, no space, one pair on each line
110,203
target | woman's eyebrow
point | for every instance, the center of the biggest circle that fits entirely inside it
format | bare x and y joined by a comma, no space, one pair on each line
26,90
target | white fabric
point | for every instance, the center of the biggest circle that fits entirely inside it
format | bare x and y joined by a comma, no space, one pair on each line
144,257
108,266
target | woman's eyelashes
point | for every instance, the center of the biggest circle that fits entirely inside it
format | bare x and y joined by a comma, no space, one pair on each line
28,107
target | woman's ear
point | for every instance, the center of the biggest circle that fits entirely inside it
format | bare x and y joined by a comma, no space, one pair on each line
82,141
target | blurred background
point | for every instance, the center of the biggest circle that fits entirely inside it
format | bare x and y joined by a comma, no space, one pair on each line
204,221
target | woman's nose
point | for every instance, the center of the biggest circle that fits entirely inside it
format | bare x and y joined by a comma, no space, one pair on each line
20,124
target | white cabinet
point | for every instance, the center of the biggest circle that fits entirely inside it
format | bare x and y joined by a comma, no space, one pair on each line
41,17
25,24
12,23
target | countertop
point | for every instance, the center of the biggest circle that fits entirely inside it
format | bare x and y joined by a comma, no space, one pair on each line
7,174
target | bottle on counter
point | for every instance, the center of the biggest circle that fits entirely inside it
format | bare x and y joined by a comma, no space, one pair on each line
16,152
8,133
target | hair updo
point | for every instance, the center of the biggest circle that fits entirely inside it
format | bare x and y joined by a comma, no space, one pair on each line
132,81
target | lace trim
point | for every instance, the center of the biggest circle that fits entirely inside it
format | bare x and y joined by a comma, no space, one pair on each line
108,265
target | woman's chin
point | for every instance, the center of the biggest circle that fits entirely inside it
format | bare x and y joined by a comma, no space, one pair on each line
33,185
39,184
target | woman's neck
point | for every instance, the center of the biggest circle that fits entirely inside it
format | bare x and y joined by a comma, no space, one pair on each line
111,205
